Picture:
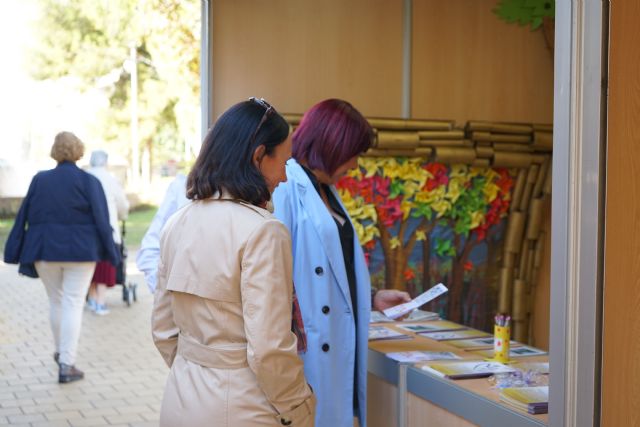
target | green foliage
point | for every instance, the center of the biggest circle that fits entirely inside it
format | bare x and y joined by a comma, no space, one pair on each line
137,224
90,41
525,12
444,247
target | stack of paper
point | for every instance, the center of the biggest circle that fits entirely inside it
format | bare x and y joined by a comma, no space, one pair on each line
421,316
521,351
437,326
464,370
421,356
534,400
454,335
478,343
378,317
377,333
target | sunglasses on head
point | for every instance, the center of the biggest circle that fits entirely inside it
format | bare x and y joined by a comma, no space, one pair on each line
268,110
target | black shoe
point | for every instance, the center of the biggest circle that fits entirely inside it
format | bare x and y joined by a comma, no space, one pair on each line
56,357
69,373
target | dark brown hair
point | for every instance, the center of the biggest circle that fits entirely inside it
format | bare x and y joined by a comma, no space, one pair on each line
225,161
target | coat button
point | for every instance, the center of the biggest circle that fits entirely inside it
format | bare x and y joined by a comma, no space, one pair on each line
326,309
319,271
325,347
285,422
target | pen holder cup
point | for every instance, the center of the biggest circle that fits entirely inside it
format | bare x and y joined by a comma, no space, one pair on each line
501,343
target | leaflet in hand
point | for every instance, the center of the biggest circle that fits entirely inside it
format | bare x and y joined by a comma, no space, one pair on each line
402,309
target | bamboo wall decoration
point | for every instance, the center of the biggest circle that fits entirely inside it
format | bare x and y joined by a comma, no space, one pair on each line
523,149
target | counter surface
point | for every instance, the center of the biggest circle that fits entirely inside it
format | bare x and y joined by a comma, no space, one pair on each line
474,399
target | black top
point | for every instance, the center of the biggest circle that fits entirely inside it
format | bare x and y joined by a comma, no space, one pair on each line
346,233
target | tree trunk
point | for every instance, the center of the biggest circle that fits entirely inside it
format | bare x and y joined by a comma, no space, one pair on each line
389,258
426,263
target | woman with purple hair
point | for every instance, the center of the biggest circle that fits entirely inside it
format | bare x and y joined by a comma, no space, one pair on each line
329,269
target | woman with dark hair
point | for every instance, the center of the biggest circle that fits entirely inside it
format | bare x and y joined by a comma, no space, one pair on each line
223,305
330,274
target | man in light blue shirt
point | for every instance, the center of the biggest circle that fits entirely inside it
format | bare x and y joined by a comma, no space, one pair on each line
149,253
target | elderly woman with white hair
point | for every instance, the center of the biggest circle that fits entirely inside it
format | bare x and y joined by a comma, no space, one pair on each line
61,230
118,206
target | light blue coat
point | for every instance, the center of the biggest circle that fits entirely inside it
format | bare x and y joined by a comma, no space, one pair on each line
321,281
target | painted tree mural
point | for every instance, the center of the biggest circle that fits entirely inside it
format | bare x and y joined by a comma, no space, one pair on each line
400,202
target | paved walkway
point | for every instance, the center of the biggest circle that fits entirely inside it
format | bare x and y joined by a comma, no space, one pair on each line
124,374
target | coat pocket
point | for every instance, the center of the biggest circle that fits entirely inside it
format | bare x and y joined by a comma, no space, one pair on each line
302,415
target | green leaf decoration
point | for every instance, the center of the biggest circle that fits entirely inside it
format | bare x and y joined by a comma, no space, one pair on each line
396,189
525,12
444,247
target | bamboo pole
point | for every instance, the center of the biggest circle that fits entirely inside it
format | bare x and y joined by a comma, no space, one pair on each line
542,176
515,227
511,160
401,124
504,295
512,146
524,260
455,154
528,188
499,127
481,163
518,189
445,143
542,141
484,152
496,137
396,140
535,219
509,259
374,152
439,135
548,181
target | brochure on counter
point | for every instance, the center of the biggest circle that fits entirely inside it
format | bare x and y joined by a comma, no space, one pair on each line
421,356
377,333
478,343
466,370
455,335
521,351
534,400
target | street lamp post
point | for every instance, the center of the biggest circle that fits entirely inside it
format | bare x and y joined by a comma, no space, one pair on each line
135,142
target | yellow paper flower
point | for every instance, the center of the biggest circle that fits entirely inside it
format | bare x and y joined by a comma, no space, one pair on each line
490,192
458,170
421,235
394,242
441,207
456,185
477,218
432,196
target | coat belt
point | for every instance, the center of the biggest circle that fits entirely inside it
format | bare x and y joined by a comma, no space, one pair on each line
232,356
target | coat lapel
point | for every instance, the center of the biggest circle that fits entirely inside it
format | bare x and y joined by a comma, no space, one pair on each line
325,227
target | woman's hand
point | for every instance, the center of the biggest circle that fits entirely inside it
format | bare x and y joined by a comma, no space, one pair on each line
386,298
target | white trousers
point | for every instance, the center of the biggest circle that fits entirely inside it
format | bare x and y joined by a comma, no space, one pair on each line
67,284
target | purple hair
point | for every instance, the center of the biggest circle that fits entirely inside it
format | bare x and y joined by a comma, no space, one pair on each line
329,134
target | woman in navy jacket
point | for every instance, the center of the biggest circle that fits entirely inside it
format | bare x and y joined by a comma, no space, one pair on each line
329,269
61,230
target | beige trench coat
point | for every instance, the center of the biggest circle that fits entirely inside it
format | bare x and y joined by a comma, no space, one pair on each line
222,320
